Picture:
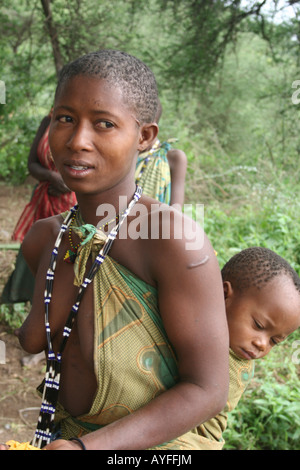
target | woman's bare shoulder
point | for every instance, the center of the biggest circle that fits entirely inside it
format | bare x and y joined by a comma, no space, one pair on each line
41,235
170,237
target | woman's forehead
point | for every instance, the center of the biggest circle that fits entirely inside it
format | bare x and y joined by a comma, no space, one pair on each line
93,92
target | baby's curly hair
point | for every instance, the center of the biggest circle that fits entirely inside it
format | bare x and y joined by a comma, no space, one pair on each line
255,267
123,70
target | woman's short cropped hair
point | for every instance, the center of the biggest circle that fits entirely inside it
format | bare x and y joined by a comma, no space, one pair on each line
134,78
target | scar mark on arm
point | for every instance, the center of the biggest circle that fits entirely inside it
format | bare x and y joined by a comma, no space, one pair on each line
199,263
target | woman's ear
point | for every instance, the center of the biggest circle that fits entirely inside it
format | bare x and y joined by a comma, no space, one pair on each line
228,290
148,134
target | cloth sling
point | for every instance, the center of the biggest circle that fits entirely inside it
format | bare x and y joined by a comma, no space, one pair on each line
133,359
241,373
153,172
135,362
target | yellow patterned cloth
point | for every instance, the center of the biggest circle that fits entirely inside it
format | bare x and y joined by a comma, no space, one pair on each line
134,361
15,445
153,172
241,372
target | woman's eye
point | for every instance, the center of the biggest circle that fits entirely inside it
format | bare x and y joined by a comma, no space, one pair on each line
64,118
105,124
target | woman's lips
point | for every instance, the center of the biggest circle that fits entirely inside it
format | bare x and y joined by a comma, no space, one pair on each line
78,168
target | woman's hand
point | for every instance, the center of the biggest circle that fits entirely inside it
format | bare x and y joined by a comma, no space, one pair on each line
61,444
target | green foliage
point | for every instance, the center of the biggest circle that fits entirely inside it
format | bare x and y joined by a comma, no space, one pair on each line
13,315
257,214
233,93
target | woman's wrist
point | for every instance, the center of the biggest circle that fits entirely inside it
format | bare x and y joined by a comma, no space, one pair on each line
79,442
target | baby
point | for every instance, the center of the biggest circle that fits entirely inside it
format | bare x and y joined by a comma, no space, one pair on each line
262,299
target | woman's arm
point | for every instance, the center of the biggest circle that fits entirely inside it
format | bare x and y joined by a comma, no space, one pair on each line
36,248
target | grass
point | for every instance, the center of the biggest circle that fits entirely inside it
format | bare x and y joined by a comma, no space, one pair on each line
248,206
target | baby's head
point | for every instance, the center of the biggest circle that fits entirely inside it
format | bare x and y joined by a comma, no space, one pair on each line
124,71
262,298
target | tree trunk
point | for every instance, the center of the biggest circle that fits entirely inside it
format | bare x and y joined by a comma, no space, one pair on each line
58,60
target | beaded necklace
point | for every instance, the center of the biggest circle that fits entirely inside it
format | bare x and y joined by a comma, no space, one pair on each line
71,253
45,423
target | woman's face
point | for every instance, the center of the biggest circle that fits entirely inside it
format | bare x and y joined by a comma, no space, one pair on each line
94,136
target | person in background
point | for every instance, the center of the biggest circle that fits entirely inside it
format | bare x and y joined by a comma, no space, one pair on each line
161,171
50,197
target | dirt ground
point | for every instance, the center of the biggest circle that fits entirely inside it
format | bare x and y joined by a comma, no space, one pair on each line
19,403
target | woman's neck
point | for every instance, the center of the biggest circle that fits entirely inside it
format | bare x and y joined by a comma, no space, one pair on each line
105,205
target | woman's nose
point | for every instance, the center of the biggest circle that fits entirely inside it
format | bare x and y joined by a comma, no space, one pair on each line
81,138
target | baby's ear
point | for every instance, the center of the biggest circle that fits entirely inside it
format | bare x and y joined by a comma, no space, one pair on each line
148,134
228,291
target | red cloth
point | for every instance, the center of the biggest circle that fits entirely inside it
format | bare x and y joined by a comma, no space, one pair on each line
42,204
